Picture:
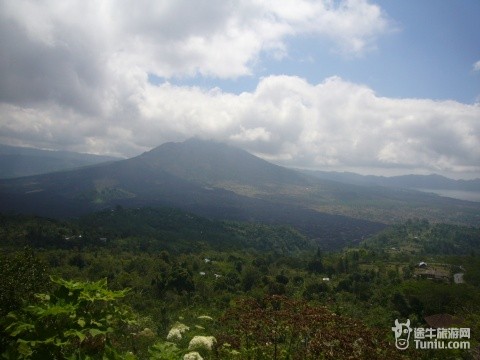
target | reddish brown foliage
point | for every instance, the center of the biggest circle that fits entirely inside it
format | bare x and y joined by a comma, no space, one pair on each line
280,328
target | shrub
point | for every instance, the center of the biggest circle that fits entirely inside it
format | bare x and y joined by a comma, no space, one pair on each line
280,328
79,320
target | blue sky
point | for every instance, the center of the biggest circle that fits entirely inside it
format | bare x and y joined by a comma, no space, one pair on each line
382,87
428,51
433,52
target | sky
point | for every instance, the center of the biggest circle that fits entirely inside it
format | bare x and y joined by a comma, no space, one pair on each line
375,87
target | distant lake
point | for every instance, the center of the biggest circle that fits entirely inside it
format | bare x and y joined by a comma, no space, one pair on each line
456,194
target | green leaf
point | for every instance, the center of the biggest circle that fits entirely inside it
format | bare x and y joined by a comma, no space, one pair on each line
25,349
129,356
19,328
81,336
58,342
43,297
12,315
96,323
81,322
95,332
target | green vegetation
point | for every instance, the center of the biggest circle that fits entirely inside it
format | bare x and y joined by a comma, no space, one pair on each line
224,290
79,320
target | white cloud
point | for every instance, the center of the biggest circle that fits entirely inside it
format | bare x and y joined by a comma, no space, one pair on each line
174,38
76,77
334,124
476,66
251,135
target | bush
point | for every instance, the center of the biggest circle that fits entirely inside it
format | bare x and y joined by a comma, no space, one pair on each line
280,328
79,320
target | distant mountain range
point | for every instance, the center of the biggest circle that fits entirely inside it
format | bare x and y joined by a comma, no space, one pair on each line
219,181
196,176
433,181
21,161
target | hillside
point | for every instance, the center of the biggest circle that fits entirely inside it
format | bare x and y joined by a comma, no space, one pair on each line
20,161
170,268
148,180
218,181
150,229
432,181
221,165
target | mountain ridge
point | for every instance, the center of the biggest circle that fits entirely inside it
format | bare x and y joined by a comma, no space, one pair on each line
219,181
409,181
21,161
221,163
141,181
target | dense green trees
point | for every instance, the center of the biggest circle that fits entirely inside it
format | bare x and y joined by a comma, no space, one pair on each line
181,267
22,275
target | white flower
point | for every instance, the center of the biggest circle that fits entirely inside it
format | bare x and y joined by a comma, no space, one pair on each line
174,334
202,342
181,327
192,356
176,331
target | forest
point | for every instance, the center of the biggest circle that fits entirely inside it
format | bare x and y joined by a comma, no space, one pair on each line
160,283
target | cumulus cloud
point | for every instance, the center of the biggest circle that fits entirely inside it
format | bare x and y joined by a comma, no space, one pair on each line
69,50
476,66
333,124
76,77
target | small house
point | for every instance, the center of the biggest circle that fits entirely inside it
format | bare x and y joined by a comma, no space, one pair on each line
432,274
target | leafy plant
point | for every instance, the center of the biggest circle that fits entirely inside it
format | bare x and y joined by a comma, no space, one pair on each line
79,320
164,351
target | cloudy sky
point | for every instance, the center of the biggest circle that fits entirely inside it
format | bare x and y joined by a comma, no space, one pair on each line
387,87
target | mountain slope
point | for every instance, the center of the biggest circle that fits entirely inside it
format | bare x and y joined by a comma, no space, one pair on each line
75,192
20,161
151,230
187,177
212,163
218,181
432,181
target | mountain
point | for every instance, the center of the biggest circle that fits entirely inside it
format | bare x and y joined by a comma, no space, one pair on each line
433,181
217,164
21,161
219,181
188,176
